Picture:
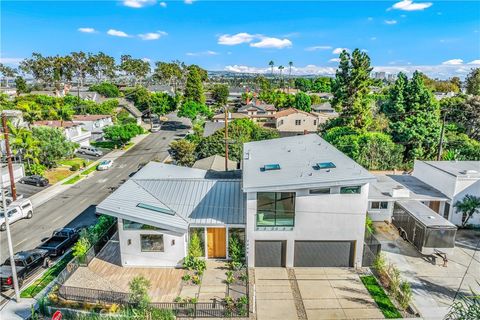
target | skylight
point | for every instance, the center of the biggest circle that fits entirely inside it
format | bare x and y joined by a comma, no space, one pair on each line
157,209
325,165
270,167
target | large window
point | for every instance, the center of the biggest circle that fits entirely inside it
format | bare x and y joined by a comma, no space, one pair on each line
351,190
379,205
151,242
275,209
132,225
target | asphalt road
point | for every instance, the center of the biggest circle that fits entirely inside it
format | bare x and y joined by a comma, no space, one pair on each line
76,206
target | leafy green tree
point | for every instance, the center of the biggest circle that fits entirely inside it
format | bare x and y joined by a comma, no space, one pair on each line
53,144
201,72
183,152
140,97
468,206
473,82
194,87
39,67
303,84
106,89
138,292
220,94
25,146
170,72
81,66
21,85
7,72
303,102
101,66
271,64
122,134
161,103
414,117
450,85
351,87
459,146
322,84
135,68
123,117
195,247
191,109
465,308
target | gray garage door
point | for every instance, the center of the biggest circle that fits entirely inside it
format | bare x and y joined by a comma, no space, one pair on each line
269,253
323,254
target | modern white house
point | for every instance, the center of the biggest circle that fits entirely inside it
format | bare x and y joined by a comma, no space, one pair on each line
93,123
306,204
455,179
73,131
300,202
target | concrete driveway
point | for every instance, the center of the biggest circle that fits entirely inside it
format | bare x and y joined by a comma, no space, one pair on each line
434,286
312,293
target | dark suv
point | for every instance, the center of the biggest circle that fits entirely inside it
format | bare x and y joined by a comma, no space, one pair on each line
38,181
26,263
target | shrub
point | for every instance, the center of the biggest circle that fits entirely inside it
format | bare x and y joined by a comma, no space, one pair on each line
195,245
196,280
369,225
107,89
80,248
405,298
380,266
161,314
230,278
75,167
236,249
186,277
138,295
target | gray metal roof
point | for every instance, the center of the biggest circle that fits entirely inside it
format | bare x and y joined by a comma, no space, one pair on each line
460,169
424,214
186,192
297,157
215,162
212,127
418,190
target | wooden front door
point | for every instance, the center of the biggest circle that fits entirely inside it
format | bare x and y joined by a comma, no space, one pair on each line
217,242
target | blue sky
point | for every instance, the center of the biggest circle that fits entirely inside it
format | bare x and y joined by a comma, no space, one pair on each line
441,37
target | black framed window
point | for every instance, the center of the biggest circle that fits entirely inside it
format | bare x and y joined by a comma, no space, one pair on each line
351,190
151,242
298,122
320,191
275,209
379,205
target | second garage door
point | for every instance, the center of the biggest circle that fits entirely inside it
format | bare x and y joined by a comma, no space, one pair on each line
269,253
324,253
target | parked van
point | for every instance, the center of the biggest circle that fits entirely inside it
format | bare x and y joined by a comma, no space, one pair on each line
17,210
91,151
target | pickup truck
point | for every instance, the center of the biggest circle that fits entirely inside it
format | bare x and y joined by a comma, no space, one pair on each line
17,210
60,241
26,263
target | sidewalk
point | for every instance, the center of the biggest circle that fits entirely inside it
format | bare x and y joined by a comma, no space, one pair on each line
21,310
43,196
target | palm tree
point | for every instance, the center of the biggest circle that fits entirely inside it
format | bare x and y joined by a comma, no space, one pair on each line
271,64
25,145
290,65
280,68
468,206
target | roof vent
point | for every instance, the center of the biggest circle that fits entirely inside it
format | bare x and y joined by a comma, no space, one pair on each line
324,165
270,167
469,172
157,209
400,192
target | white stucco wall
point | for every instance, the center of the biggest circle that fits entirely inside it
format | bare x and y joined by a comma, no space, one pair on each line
287,123
317,217
132,255
380,214
465,187
440,180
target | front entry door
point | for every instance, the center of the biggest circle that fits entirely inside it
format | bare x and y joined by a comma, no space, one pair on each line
217,242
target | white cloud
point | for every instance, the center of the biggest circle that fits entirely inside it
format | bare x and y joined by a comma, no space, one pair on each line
364,50
10,60
373,38
391,21
202,53
269,42
146,60
163,4
188,1
453,62
408,5
239,38
339,50
117,33
138,3
316,48
474,62
87,30
370,19
403,16
334,60
152,35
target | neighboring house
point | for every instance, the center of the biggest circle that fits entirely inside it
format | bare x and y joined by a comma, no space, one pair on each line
258,111
389,189
294,121
212,127
15,117
231,116
93,123
161,205
443,95
306,204
214,163
18,173
73,131
131,109
302,202
162,88
455,179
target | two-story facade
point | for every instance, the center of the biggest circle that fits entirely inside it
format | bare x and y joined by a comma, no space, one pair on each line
294,121
93,123
72,131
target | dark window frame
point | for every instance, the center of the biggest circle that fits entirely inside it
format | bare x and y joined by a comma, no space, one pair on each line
151,235
320,191
298,122
355,189
278,197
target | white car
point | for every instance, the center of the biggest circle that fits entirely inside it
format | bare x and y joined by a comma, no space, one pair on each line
17,210
105,165
155,127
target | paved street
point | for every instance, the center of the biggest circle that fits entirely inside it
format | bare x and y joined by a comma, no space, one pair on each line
76,206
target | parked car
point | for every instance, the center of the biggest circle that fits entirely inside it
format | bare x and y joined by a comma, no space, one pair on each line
105,165
91,151
20,209
26,263
60,241
35,180
155,127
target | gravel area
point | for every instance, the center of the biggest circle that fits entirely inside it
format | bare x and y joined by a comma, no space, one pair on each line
301,312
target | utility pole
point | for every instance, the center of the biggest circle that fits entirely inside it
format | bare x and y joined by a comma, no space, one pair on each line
442,133
9,157
9,238
226,138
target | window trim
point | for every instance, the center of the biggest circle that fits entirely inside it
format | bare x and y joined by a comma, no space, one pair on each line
149,235
298,122
275,225
351,187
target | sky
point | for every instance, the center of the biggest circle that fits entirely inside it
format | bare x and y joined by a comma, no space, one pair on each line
440,38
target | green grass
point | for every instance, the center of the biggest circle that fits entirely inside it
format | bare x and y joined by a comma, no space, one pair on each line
46,278
103,144
128,146
89,170
74,179
71,162
383,301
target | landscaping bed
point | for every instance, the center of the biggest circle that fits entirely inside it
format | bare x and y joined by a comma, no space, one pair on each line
381,298
81,175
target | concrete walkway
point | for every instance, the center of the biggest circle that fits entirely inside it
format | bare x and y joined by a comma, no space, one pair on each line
213,284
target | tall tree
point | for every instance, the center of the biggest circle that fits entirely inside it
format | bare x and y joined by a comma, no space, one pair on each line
194,87
40,67
271,64
303,102
351,87
21,85
473,82
101,66
290,65
220,94
280,68
81,67
7,72
136,68
170,72
468,206
414,117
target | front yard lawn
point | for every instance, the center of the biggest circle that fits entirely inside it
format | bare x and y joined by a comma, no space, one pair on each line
57,174
71,162
72,180
46,278
383,301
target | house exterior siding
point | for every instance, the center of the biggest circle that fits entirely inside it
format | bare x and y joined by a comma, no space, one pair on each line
288,123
